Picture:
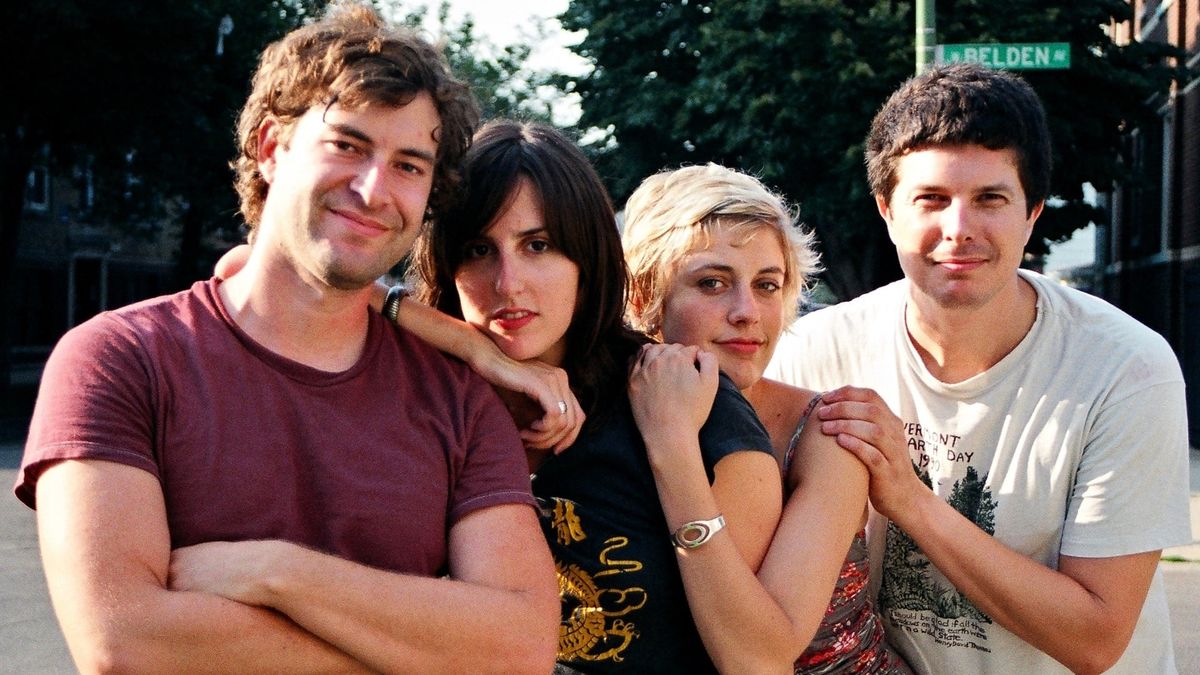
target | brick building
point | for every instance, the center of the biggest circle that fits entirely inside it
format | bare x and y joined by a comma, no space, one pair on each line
1148,257
68,267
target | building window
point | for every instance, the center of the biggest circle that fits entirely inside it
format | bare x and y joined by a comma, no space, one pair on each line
86,187
1142,229
1167,180
37,189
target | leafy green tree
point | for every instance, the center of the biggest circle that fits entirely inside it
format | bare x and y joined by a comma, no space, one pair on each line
786,89
903,584
904,581
500,76
138,92
972,498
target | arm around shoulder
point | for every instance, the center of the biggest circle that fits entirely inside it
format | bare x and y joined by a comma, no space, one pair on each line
1079,614
742,628
547,385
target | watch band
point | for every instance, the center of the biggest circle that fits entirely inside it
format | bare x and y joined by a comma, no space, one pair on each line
697,532
391,303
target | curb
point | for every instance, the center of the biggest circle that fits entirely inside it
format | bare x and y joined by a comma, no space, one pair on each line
1188,552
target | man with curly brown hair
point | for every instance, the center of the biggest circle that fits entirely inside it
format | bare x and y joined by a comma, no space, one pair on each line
262,474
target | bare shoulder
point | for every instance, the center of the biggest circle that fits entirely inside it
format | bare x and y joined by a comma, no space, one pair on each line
810,454
773,395
780,407
818,455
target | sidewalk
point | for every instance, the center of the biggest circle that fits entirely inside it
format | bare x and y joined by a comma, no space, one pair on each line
1181,573
1190,552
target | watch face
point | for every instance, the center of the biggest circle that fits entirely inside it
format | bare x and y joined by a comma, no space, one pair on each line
697,532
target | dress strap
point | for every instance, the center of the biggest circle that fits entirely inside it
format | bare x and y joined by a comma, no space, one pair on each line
791,449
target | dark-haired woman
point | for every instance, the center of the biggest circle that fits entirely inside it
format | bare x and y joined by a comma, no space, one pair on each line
533,259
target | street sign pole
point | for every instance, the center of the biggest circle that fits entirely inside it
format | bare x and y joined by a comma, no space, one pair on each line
926,35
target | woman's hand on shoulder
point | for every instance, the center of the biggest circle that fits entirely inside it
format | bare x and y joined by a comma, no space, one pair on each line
672,388
562,417
545,386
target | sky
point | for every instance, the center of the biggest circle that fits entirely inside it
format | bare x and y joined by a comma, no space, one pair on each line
500,20
505,23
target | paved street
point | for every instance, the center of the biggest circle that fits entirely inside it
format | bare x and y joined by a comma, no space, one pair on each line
1183,596
30,643
29,638
1183,586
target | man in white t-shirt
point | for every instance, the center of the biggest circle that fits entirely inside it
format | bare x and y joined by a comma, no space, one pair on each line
1026,442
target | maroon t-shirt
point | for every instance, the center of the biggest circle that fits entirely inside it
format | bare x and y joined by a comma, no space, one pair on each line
373,464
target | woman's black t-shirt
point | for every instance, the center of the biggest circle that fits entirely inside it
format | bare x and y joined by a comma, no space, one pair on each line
623,602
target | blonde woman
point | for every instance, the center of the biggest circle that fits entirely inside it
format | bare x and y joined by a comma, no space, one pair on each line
717,267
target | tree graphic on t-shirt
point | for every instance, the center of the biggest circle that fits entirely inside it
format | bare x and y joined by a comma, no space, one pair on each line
972,499
906,582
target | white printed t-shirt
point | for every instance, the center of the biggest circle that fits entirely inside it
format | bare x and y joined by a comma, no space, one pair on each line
1075,443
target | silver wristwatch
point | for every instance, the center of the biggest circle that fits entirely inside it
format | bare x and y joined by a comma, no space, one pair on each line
697,533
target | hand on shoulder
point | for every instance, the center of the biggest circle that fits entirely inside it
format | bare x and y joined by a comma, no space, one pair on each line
672,389
863,424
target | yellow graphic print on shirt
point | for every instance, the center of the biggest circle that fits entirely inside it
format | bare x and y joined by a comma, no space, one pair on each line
566,523
593,629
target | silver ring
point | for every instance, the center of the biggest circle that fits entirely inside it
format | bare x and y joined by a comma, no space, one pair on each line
562,407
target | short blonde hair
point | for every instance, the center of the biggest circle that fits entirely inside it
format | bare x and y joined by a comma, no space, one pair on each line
673,213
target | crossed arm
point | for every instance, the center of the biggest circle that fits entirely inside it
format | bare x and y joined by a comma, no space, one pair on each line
105,548
267,606
1082,614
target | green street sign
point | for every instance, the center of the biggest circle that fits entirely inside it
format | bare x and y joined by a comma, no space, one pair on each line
1016,56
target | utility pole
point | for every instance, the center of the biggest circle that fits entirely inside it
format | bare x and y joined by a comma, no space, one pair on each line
926,34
